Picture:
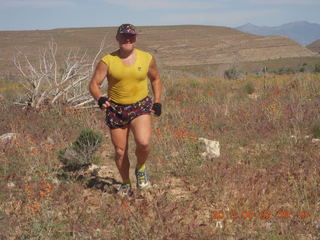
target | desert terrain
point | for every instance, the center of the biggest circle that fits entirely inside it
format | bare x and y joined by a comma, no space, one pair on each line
263,109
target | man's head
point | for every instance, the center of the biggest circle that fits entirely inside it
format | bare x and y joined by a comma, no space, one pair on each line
127,28
126,36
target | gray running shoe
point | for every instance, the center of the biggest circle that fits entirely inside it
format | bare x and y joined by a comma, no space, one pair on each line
142,179
125,190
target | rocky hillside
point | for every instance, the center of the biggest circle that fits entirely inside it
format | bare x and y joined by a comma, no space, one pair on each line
172,45
315,46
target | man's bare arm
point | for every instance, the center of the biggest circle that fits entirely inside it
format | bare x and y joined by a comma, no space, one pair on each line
154,77
97,79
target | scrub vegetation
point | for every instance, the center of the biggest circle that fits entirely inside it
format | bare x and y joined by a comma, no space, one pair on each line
265,184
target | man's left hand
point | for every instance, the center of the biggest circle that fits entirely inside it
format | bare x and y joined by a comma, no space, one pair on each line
157,109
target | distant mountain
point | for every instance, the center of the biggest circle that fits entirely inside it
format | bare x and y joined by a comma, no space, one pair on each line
302,32
314,46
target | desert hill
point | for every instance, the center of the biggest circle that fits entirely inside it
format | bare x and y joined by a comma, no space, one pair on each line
315,46
302,32
172,45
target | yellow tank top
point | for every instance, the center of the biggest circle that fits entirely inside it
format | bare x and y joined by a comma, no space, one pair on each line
127,84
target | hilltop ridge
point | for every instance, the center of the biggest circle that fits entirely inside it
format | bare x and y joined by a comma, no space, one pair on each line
314,46
172,45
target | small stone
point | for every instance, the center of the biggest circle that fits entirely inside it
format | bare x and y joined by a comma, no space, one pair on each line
305,237
93,167
94,170
253,96
50,141
11,185
105,154
268,226
219,224
33,149
315,140
231,238
317,225
55,181
174,154
212,148
7,137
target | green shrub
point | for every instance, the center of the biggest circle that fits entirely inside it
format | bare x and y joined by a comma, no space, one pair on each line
316,130
317,68
81,152
285,71
233,74
194,84
302,69
249,88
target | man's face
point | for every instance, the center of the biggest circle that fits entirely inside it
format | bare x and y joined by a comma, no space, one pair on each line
126,41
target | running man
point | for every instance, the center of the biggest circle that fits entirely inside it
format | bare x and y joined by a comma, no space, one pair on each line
128,105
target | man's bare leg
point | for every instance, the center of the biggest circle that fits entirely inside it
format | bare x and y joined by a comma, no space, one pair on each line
119,138
142,128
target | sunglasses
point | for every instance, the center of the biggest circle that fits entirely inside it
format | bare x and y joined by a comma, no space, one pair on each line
131,37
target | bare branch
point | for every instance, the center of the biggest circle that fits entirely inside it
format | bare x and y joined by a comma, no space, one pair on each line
44,83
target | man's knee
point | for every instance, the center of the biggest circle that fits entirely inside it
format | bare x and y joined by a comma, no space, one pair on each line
144,146
120,152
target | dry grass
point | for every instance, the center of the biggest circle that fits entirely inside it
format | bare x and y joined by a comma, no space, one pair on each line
265,185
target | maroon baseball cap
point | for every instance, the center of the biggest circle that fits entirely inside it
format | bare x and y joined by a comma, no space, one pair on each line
127,29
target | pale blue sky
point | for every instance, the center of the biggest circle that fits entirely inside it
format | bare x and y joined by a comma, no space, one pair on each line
50,14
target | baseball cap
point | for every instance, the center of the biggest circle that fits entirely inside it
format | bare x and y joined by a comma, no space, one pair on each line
127,29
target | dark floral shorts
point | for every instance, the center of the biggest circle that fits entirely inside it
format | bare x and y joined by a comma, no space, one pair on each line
120,115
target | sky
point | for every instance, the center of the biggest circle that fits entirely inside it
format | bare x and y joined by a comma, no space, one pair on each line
51,14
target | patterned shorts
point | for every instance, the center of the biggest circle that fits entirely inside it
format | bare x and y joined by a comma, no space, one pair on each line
120,115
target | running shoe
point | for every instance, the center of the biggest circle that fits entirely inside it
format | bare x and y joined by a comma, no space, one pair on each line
142,179
125,190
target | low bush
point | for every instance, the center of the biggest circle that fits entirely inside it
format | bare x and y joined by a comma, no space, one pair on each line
316,130
285,71
233,74
81,152
249,88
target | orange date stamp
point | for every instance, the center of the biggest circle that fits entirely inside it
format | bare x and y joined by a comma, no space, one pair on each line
280,214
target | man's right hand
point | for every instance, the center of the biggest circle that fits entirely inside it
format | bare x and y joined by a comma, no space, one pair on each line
103,102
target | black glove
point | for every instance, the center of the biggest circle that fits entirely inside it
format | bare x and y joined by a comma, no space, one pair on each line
102,100
157,109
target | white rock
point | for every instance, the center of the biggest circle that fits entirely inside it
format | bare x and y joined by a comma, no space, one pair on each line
253,96
219,224
32,149
315,140
50,141
293,137
11,185
106,154
212,148
93,167
317,225
174,154
55,181
7,137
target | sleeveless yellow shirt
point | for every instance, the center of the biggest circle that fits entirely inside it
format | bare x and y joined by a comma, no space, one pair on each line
127,84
